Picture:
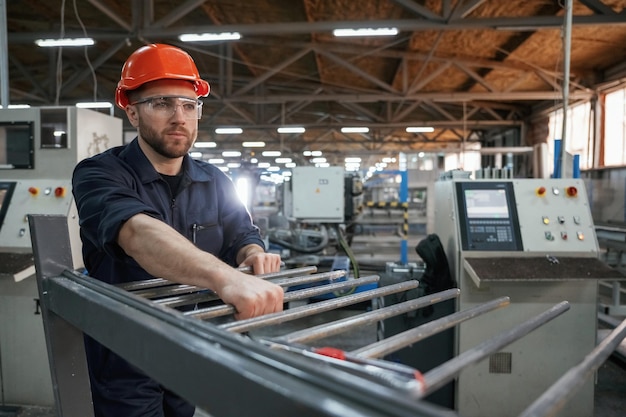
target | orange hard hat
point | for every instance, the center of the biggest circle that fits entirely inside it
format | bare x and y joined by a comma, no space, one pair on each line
158,62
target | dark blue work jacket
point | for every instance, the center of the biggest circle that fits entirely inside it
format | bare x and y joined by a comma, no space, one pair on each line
109,189
113,186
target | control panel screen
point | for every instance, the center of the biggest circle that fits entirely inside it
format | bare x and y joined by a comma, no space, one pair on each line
16,145
486,204
6,192
488,216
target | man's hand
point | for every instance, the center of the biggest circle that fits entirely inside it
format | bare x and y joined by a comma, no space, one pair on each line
251,296
262,263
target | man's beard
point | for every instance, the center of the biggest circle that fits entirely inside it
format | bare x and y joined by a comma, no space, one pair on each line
160,146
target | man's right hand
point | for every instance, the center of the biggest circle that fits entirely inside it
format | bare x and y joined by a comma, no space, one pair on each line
251,296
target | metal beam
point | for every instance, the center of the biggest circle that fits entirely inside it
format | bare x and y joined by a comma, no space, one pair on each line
413,25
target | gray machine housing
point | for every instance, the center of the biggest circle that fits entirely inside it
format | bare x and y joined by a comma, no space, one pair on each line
39,148
534,241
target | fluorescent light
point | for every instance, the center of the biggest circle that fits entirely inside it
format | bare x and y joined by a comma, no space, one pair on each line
204,145
18,106
355,129
224,169
322,165
290,165
95,105
292,129
231,154
216,161
318,160
229,131
253,144
209,37
352,160
366,32
233,164
273,169
264,165
58,133
282,160
46,43
270,153
195,154
420,129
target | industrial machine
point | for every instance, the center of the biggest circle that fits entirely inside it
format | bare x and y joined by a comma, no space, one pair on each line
39,148
285,363
317,207
533,240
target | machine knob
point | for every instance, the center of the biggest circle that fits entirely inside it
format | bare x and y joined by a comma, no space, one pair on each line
33,191
59,192
571,191
541,191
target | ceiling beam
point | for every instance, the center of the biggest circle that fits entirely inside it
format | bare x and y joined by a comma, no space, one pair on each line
411,25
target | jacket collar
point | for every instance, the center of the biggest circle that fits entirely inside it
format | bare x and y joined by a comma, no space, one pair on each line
135,157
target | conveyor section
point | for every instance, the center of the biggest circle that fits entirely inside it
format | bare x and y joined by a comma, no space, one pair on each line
187,339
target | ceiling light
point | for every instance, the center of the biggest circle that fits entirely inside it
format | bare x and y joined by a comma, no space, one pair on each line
264,165
355,129
270,153
205,145
231,154
253,144
420,129
291,129
318,160
229,131
47,43
233,164
273,169
95,105
195,154
216,161
17,106
352,160
366,32
282,160
290,165
209,37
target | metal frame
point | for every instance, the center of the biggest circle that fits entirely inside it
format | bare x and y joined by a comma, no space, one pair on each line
221,372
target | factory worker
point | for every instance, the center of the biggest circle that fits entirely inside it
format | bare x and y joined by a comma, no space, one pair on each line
148,210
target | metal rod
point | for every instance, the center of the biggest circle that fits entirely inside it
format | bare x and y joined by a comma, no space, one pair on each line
441,375
159,282
225,309
299,312
408,337
208,295
186,289
551,401
340,326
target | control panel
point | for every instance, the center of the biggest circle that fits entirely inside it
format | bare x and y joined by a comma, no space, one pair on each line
34,196
555,216
532,215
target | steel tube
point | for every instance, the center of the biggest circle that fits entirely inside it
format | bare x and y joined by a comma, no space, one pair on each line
408,337
441,375
159,282
371,317
551,401
299,312
225,309
283,282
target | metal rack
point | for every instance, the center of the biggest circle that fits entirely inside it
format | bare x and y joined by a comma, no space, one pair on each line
212,361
